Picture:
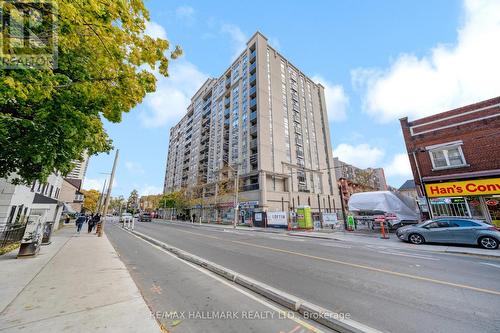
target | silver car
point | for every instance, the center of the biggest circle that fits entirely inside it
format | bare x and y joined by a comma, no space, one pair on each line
452,230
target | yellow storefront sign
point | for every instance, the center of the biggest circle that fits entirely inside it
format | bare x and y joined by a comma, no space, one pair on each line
464,188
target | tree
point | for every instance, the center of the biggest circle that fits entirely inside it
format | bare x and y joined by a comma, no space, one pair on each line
90,200
364,178
133,199
116,203
106,65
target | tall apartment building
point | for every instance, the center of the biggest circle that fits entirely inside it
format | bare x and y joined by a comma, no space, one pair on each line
80,168
266,118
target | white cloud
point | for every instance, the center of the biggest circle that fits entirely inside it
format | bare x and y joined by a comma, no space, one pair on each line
362,155
134,167
238,38
449,77
398,167
150,189
336,99
155,30
97,183
173,94
185,13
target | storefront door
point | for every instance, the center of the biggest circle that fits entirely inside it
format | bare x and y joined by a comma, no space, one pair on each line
493,207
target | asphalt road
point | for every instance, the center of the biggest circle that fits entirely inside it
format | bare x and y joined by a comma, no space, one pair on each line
389,290
185,298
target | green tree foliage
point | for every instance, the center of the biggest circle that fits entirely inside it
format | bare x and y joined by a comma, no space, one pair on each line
106,65
133,199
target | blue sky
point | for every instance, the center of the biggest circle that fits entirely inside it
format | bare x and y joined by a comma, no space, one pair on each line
379,61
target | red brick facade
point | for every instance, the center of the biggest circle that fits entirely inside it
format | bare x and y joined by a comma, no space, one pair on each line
476,125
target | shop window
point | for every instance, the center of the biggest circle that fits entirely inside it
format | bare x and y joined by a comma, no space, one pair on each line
447,156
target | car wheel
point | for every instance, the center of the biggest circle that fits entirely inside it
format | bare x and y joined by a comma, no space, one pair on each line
416,239
489,243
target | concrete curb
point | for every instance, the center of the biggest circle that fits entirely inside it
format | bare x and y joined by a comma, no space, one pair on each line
308,310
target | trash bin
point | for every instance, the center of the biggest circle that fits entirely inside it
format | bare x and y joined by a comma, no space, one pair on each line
47,232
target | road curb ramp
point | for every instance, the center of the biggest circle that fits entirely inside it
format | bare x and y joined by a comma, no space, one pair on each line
309,310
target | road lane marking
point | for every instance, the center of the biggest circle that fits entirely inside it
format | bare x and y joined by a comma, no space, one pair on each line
403,254
343,246
370,268
284,314
489,264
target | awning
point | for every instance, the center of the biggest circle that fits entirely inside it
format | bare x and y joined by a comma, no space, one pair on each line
464,175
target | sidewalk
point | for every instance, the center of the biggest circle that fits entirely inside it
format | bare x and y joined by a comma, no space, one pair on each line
76,284
369,240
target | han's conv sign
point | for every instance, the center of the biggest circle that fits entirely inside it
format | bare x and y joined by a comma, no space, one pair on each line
464,188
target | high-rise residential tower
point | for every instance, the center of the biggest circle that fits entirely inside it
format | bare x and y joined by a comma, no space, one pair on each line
268,120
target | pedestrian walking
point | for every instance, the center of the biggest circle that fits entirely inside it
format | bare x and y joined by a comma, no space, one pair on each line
79,223
90,223
95,221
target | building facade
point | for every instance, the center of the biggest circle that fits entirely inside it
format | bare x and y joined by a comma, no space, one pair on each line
455,158
372,178
80,168
263,120
17,202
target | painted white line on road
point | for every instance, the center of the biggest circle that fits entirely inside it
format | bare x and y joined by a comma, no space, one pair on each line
228,284
490,264
409,255
285,238
336,245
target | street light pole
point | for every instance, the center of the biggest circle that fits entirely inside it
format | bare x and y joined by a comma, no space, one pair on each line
106,203
236,188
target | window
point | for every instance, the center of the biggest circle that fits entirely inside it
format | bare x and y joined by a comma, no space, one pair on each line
438,224
11,214
463,223
447,156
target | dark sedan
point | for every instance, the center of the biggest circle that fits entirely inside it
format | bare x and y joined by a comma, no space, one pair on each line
452,230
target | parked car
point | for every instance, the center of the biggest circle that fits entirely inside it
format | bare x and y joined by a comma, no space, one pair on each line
126,217
145,217
452,230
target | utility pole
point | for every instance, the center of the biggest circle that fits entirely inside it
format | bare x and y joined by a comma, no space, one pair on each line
99,202
106,203
236,188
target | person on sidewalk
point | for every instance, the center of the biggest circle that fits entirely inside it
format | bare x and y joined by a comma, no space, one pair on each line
90,223
79,223
96,221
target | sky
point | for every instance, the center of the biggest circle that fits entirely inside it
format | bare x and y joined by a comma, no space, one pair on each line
378,60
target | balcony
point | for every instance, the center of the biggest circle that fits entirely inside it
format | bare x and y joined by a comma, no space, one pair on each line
253,54
253,130
253,91
227,101
226,123
227,112
253,115
253,143
228,82
254,158
252,78
253,104
252,68
250,187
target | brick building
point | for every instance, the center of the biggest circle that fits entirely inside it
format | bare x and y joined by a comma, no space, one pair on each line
455,159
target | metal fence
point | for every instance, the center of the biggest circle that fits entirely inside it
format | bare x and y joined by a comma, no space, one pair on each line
11,234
